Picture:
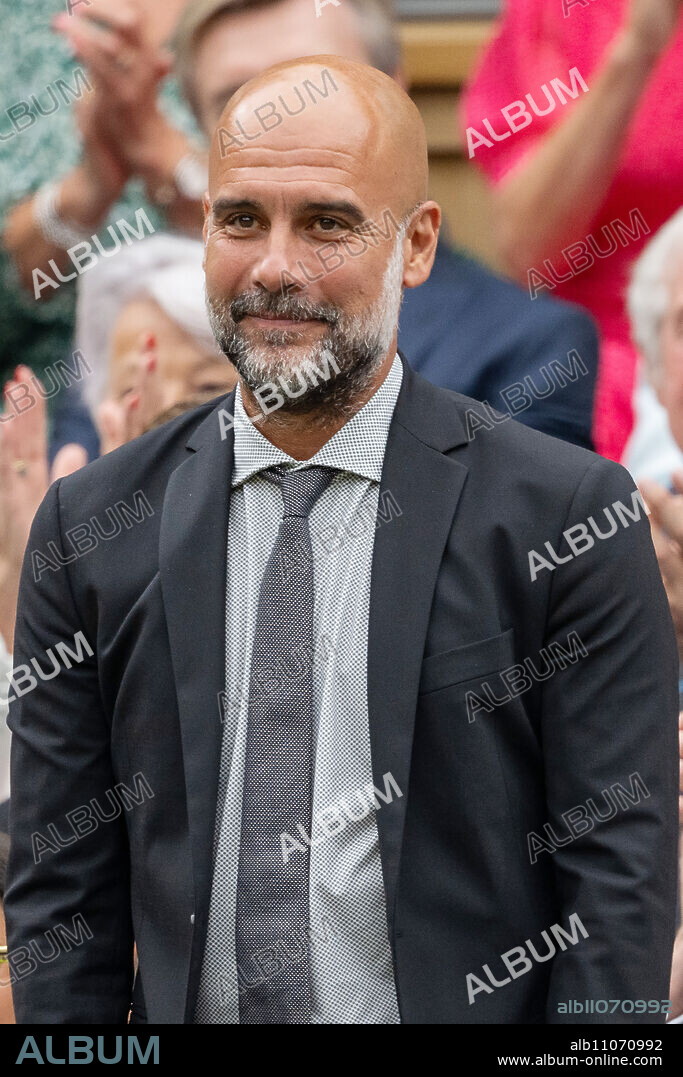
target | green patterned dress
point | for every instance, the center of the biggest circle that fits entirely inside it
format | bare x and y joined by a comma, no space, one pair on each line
39,142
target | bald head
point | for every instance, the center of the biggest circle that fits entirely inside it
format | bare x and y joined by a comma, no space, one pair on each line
319,108
316,219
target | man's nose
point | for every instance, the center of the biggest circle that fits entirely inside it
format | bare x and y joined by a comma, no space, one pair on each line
276,268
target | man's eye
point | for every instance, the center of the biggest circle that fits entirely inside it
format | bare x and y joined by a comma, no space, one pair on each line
243,221
328,224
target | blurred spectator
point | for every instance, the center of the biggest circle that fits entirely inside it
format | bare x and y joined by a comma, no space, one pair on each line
566,171
62,178
6,1010
13,536
5,668
465,329
666,523
23,483
651,452
676,989
142,317
655,304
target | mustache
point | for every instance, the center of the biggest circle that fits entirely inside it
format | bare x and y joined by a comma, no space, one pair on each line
258,305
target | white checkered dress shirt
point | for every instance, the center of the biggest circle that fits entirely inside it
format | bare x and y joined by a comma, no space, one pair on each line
351,965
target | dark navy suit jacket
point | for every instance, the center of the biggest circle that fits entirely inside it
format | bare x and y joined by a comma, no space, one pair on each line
453,610
479,334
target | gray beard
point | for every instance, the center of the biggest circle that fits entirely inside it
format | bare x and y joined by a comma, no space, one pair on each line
346,365
349,355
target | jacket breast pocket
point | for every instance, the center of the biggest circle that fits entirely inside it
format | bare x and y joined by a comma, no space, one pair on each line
466,662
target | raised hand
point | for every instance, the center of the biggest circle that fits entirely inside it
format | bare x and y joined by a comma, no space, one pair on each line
119,421
23,484
652,23
109,37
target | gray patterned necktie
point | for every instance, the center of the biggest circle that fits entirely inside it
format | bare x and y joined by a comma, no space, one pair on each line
272,918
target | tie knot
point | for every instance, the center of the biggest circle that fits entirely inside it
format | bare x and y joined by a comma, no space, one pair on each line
302,488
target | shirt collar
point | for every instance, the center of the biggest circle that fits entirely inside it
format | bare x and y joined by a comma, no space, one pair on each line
357,448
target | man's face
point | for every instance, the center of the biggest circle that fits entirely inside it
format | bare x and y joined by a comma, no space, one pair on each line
294,273
239,45
671,351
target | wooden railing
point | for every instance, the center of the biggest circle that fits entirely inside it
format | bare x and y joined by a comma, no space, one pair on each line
438,58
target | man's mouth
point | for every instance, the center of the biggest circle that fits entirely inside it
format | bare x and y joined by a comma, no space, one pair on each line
275,321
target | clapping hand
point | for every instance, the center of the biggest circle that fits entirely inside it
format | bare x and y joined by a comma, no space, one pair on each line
24,479
109,37
666,524
119,421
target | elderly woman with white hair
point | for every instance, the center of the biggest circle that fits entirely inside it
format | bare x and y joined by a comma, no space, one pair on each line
655,305
141,322
143,330
655,450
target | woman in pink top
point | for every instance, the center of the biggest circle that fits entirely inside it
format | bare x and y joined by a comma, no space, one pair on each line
576,115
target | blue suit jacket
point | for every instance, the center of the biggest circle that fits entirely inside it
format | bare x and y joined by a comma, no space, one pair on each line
479,334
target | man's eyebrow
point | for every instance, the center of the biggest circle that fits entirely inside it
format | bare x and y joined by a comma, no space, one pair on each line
222,206
348,209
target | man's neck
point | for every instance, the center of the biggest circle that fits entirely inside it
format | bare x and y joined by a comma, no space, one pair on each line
302,435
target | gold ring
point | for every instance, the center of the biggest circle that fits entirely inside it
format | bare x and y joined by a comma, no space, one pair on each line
20,466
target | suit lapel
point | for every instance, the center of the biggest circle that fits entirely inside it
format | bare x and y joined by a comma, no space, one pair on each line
420,489
192,564
419,493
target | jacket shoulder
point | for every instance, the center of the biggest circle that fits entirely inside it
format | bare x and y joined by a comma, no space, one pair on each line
147,461
526,455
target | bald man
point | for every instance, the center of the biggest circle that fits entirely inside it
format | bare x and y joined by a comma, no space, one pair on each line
363,713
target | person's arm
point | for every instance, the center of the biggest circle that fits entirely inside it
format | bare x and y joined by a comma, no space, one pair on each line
76,893
128,68
84,198
23,484
610,719
666,522
5,670
552,197
174,172
676,988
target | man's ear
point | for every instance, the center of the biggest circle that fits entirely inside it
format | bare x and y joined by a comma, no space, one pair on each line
206,203
401,78
420,244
